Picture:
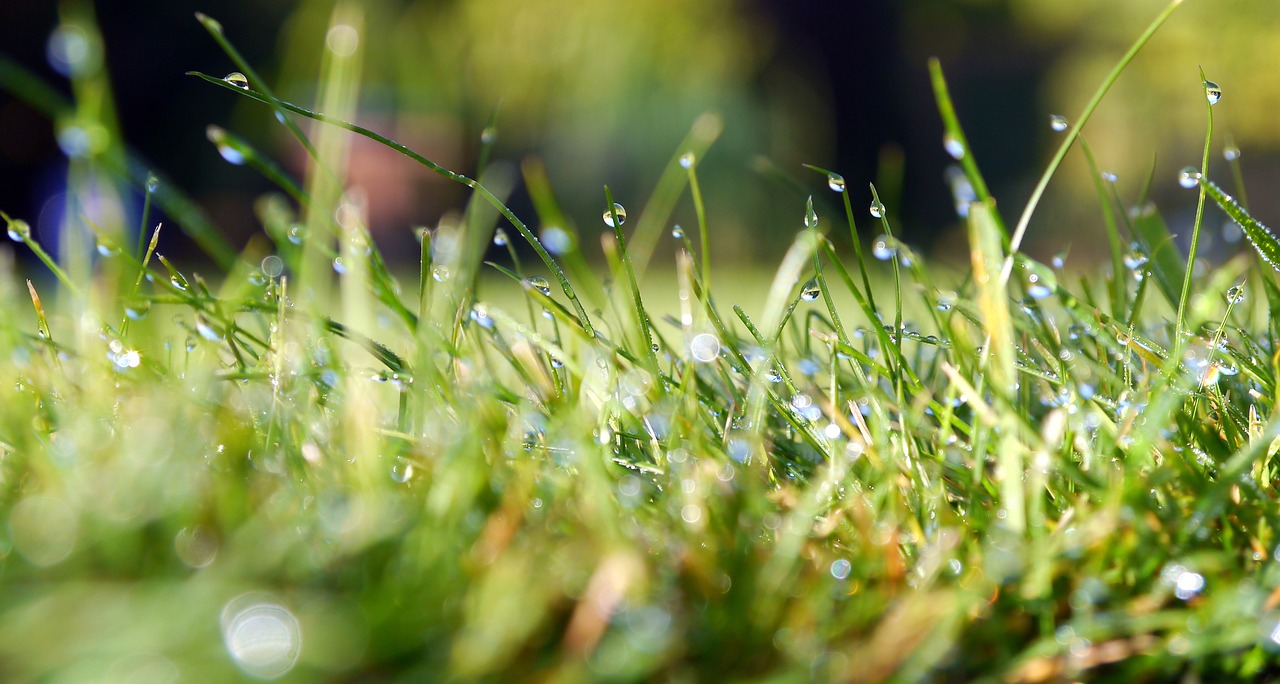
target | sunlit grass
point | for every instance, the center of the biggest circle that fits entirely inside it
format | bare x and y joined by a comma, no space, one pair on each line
307,465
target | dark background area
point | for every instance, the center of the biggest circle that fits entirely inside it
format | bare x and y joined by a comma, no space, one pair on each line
864,61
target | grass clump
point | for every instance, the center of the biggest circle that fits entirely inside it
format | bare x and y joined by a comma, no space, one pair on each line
310,468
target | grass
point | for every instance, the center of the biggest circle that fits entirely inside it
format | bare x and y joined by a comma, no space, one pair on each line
306,467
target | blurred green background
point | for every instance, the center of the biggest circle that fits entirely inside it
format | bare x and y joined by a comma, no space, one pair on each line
603,92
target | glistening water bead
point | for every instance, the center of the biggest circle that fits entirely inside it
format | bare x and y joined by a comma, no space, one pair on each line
237,79
811,291
617,209
1189,177
687,159
836,182
877,209
1231,153
1058,123
19,231
953,146
1213,92
539,283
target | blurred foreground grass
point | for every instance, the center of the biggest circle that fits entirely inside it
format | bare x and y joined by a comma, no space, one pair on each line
309,468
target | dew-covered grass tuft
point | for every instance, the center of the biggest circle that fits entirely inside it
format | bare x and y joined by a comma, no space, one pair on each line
303,462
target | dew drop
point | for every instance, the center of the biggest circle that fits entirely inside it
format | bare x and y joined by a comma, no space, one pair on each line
339,266
1189,177
877,209
1058,123
297,233
1135,258
881,248
138,310
686,161
272,266
704,348
1036,288
557,362
500,237
1108,176
237,79
1235,294
440,273
811,291
772,375
539,283
206,329
152,183
19,230
1059,260
402,472
677,232
1213,92
810,216
557,240
1231,153
836,182
489,135
953,146
617,209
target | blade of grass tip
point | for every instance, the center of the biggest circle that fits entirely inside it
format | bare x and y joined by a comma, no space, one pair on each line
1181,323
42,322
689,161
702,135
148,189
642,317
488,137
484,192
993,301
1119,286
1232,154
1264,241
836,182
237,150
1020,230
954,140
214,28
20,231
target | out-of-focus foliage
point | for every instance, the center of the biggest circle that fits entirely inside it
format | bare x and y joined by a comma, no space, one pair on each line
603,91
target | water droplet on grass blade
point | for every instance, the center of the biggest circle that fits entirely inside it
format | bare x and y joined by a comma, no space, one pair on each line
1058,123
677,232
440,273
237,79
539,283
1135,258
772,375
206,329
19,230
402,472
953,146
1231,153
882,249
835,181
558,240
1213,92
811,291
1235,294
687,159
1109,177
877,209
617,209
1189,177
810,216
500,237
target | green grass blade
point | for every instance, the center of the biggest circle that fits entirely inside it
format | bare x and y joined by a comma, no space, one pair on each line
1264,241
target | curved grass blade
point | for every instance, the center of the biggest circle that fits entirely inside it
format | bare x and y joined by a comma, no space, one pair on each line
484,192
1264,241
1077,124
